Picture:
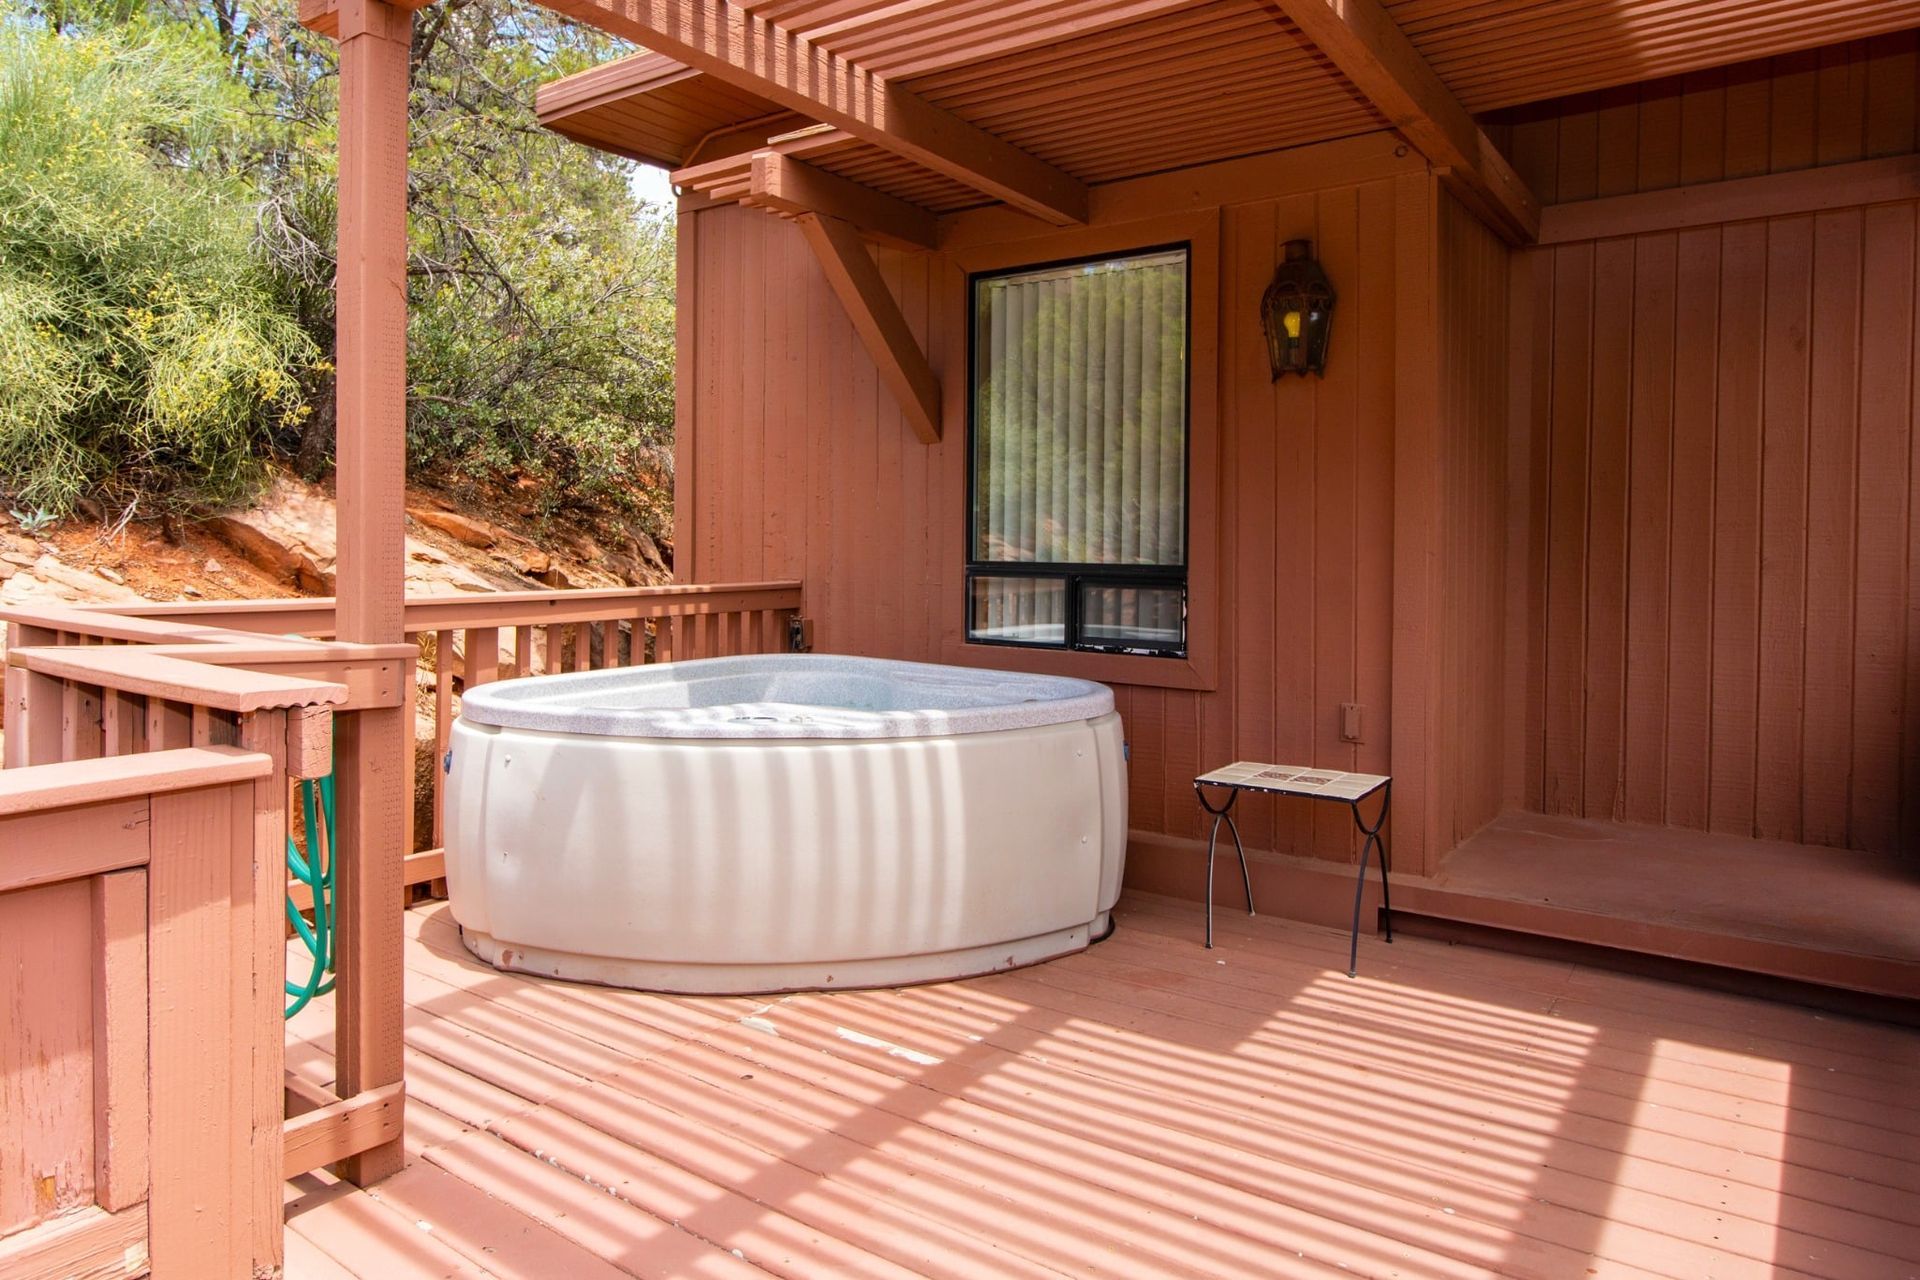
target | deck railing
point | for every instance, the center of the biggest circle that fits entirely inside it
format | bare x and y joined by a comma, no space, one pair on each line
142,882
153,707
468,640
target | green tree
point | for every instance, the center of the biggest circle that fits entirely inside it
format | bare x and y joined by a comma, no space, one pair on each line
540,337
167,182
143,359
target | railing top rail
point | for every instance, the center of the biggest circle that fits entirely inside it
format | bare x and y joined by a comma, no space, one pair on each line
122,623
314,616
265,651
541,608
76,782
134,669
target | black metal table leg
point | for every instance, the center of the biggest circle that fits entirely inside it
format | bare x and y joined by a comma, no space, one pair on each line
1371,839
1223,814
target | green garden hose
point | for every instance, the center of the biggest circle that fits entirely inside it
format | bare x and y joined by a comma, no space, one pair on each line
313,867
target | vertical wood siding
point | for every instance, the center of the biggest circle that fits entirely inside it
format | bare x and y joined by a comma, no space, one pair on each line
1728,639
1470,732
1845,102
1725,485
46,1053
805,468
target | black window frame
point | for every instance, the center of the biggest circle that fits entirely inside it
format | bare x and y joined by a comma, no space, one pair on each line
1078,576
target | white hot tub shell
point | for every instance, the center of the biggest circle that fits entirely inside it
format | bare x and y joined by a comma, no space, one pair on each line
783,822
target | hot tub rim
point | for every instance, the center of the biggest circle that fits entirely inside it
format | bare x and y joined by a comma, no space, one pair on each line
511,704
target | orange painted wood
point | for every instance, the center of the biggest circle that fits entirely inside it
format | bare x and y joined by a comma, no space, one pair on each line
90,1244
55,845
47,1059
373,813
360,1122
1736,533
1690,583
120,1102
876,317
131,669
1668,208
1833,425
1784,467
62,786
199,1202
1743,122
38,717
1756,384
1885,516
522,650
309,749
1361,38
971,1126
1608,428
743,49
481,656
166,625
1647,479
374,783
781,184
1566,508
1473,729
259,888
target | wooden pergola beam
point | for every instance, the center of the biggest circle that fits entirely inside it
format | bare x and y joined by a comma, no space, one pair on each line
792,187
785,68
1361,39
876,317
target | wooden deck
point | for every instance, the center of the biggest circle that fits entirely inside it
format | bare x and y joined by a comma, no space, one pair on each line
1838,917
1146,1108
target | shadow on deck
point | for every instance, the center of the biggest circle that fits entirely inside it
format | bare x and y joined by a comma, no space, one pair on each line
1145,1108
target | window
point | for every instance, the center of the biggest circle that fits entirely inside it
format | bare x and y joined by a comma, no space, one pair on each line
1078,494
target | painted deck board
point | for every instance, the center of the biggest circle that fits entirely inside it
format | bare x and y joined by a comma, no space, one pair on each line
1147,1108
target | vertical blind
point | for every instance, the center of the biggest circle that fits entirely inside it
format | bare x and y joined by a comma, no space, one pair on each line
1080,413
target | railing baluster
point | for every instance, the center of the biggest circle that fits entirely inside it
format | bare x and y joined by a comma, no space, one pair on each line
483,655
523,651
556,653
582,646
442,727
115,732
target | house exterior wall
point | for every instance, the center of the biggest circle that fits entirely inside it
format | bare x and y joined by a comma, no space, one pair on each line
798,463
1845,102
1722,480
1471,731
1620,528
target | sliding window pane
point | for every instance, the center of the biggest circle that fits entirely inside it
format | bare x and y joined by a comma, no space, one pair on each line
1152,618
1018,610
1080,413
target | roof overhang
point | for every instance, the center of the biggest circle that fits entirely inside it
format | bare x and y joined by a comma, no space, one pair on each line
945,104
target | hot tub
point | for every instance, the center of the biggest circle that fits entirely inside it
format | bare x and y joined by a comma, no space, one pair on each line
783,822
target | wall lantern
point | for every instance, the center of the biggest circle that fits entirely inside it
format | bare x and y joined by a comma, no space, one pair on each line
1297,313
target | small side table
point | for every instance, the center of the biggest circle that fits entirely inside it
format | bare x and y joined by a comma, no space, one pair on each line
1312,784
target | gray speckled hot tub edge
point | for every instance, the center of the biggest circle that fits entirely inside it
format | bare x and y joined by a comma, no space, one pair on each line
824,698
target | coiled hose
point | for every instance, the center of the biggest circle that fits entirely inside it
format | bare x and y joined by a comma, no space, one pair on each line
314,867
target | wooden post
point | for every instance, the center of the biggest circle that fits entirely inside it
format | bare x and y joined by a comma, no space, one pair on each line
259,987
375,773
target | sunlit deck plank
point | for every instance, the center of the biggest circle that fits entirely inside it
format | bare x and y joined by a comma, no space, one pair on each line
1147,1108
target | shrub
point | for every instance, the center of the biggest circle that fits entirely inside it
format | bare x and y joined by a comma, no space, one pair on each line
143,358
